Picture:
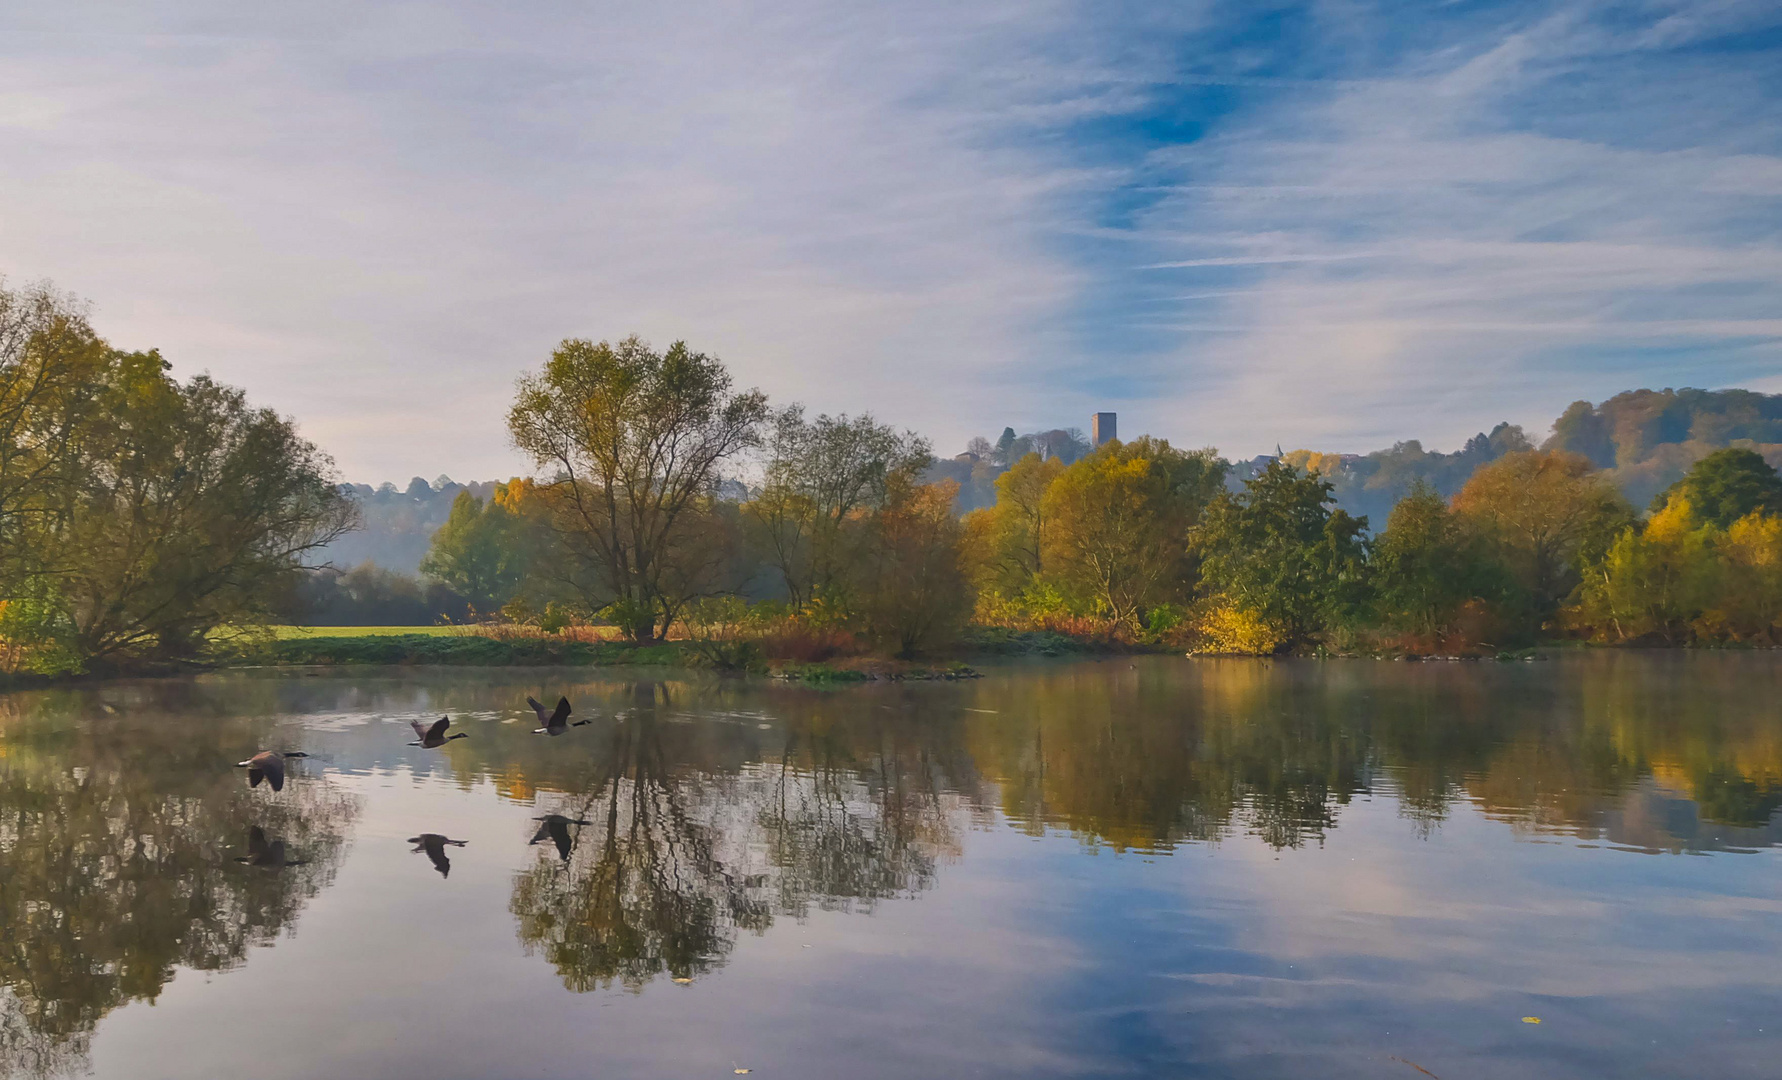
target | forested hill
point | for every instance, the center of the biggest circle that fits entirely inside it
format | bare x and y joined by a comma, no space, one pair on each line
397,524
1647,439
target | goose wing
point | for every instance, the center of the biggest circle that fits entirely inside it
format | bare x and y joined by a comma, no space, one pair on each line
537,707
438,730
562,714
420,730
274,768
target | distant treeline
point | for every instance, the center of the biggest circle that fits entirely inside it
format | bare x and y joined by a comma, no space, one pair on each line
142,518
849,542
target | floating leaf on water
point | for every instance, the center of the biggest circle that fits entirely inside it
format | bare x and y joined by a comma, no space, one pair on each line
739,1072
683,982
1531,1019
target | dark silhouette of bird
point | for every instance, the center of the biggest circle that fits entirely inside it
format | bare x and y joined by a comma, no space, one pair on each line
261,853
434,845
555,828
268,765
557,722
435,735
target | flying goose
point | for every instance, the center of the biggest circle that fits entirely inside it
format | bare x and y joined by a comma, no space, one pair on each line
268,765
261,853
557,722
435,735
434,845
556,829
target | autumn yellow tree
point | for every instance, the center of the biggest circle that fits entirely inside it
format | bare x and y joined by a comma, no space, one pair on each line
1655,581
1119,524
1009,539
1545,512
1748,604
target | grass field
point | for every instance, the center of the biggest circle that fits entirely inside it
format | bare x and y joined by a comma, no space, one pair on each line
293,633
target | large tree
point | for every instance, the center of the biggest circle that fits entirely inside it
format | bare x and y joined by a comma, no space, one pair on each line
52,371
482,552
825,480
635,441
1279,550
1120,520
1010,538
1428,563
1546,512
193,511
909,590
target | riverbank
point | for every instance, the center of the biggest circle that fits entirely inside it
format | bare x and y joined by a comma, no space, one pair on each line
432,648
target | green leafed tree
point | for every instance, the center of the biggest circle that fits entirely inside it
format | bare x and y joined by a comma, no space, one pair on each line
1120,519
1428,564
1280,551
1010,539
192,511
632,441
1726,486
482,552
1546,514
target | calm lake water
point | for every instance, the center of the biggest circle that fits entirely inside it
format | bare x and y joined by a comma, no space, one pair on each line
1163,868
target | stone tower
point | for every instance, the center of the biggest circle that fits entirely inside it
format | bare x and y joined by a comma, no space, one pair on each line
1102,428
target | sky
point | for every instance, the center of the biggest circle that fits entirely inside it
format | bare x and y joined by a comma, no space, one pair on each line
1329,225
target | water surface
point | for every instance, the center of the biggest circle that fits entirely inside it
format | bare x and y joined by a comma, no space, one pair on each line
1163,868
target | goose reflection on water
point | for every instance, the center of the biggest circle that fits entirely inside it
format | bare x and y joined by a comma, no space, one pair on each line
555,828
435,846
261,852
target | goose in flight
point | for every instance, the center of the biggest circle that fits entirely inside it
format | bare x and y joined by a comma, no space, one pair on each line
435,735
434,845
268,765
557,722
555,828
262,853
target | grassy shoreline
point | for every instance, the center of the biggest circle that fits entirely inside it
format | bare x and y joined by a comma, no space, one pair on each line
449,646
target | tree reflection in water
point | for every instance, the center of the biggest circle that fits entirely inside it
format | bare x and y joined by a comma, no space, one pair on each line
1658,753
680,855
700,830
118,842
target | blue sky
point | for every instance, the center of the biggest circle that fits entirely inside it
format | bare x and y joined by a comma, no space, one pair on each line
1330,225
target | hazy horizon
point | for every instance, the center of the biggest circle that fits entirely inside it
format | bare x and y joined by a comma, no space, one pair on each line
1331,226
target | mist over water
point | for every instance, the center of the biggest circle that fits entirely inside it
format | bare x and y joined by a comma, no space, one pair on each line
1127,867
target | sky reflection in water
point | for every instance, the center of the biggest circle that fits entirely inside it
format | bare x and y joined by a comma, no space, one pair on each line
1222,869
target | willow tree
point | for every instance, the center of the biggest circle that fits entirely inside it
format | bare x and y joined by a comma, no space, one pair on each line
193,511
827,481
635,440
138,514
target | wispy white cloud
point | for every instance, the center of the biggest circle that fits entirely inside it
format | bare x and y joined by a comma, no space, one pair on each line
375,220
957,216
1525,244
